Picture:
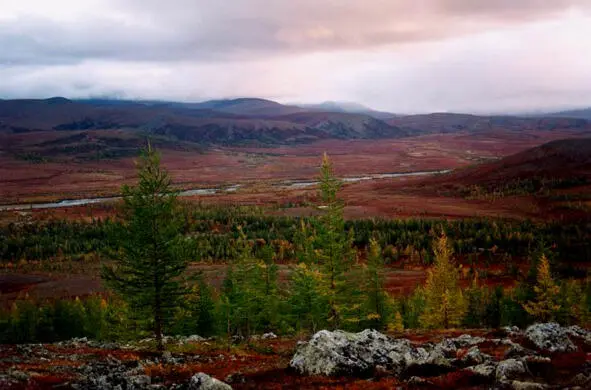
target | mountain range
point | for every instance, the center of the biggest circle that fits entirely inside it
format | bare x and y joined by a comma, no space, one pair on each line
117,127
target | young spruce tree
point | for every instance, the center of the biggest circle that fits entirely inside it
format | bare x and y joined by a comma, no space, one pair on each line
152,257
376,297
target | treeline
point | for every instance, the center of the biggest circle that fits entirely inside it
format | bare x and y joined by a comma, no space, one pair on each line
539,186
317,294
211,232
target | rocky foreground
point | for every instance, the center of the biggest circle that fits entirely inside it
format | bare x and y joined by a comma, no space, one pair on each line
544,356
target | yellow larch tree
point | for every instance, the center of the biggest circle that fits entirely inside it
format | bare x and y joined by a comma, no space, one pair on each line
545,305
444,302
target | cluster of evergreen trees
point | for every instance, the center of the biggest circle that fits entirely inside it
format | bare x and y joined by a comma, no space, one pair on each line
329,286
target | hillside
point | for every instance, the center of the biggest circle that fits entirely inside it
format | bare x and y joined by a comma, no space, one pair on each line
116,128
548,175
452,123
244,106
567,159
584,113
350,107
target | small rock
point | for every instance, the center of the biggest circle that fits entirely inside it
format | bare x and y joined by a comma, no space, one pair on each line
578,332
236,377
515,350
581,380
486,370
474,357
417,381
510,369
550,337
268,336
194,338
466,340
138,382
518,385
18,375
511,330
202,381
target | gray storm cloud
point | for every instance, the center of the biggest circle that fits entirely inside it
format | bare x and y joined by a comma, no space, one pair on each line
338,49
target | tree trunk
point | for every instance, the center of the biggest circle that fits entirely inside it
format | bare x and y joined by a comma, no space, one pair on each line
158,323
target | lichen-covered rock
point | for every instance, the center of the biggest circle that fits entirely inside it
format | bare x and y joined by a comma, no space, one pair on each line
509,370
515,350
474,357
580,333
138,382
550,337
486,370
519,385
581,380
341,353
202,381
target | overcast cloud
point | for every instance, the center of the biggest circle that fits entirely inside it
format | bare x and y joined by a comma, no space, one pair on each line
397,55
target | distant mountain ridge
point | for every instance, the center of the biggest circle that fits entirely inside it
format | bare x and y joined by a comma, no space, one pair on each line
584,113
92,126
219,122
452,123
350,107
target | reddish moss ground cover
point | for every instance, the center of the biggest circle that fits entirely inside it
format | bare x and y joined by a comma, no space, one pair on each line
260,365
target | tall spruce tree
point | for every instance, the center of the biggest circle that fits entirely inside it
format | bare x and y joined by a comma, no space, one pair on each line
334,246
151,257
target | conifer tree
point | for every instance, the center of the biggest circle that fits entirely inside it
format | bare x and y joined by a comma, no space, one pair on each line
493,312
375,296
397,325
236,299
572,303
152,256
544,306
307,300
476,304
334,246
444,301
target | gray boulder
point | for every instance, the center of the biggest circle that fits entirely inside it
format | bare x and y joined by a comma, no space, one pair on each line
509,370
341,353
519,385
202,381
486,370
515,350
474,357
138,382
580,333
550,337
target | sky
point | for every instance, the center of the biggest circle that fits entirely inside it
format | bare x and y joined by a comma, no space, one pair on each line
402,56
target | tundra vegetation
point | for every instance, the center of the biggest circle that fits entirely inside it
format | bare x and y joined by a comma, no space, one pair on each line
336,278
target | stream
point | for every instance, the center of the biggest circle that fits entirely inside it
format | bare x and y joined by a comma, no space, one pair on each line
285,185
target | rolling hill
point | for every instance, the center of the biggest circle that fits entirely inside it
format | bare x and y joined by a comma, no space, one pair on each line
62,126
584,113
556,164
452,123
350,107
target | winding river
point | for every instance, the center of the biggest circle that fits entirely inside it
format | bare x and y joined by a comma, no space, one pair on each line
286,185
